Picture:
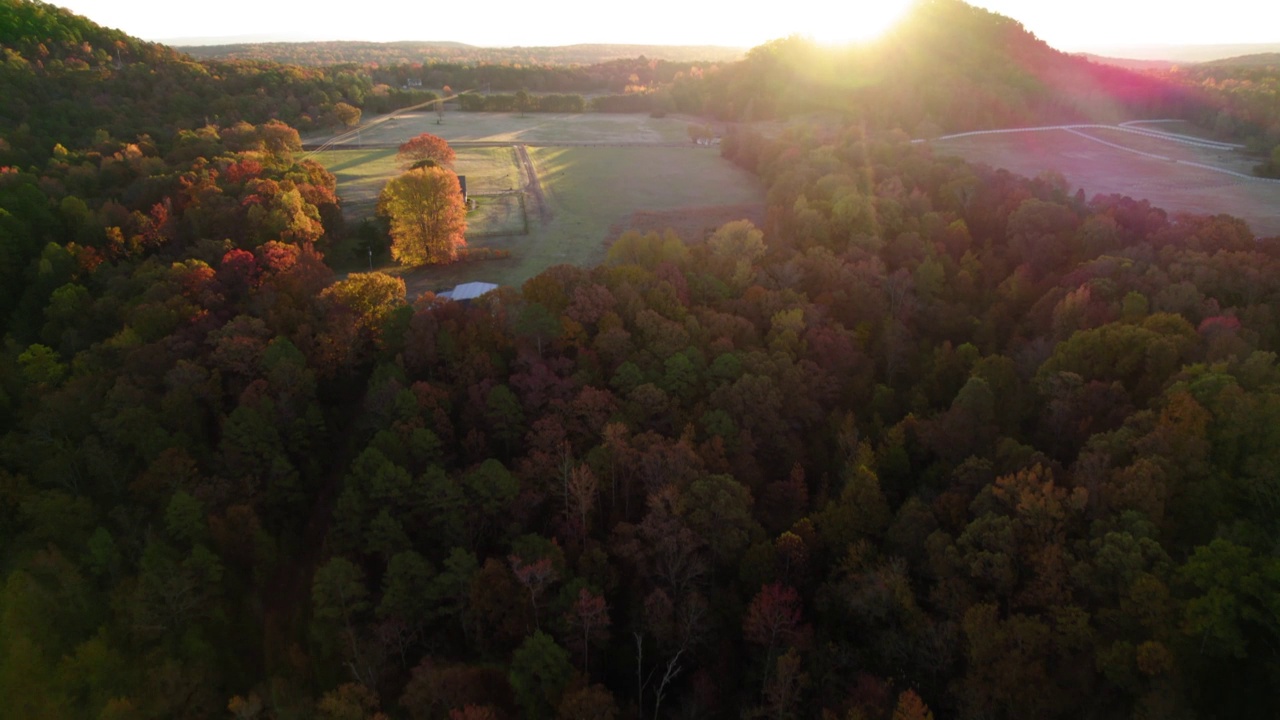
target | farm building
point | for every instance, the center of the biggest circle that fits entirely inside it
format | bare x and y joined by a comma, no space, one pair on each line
467,291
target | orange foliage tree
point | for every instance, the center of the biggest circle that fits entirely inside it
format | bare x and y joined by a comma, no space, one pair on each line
427,214
426,147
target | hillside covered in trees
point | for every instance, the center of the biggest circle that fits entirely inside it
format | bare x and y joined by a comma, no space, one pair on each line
934,441
947,67
1244,92
407,53
64,78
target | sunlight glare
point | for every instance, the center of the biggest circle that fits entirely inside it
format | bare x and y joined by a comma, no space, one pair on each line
856,22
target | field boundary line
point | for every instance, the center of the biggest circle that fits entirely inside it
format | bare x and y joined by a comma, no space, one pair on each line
312,148
1171,137
1154,156
1131,123
342,137
1118,146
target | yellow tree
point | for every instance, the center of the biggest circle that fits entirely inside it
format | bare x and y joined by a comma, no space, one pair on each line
427,214
346,114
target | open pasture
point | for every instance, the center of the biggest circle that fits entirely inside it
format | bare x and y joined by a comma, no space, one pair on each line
594,177
494,181
497,215
1101,168
362,173
533,128
594,193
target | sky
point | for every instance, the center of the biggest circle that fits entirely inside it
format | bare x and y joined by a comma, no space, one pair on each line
1067,25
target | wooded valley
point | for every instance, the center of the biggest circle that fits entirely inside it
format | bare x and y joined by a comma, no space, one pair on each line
934,440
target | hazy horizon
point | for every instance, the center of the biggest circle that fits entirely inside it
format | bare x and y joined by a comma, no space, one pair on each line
199,41
1083,26
1189,52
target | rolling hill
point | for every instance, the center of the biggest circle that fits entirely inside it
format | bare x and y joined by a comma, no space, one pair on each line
332,53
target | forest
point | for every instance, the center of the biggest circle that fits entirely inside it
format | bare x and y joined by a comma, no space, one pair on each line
424,53
1244,92
935,440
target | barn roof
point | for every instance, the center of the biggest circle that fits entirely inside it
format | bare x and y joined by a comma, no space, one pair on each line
468,291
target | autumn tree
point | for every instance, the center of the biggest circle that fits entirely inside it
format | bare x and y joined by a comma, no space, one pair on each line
735,247
369,297
426,147
427,215
589,618
773,619
911,707
346,114
279,140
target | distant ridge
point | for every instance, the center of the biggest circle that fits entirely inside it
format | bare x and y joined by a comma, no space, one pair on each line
1257,60
337,52
1267,59
200,40
1181,54
1131,64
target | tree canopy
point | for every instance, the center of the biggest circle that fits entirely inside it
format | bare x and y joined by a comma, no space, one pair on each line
928,440
427,214
426,147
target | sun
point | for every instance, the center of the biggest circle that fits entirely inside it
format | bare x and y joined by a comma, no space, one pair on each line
856,22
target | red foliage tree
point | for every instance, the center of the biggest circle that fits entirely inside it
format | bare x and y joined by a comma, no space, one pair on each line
238,271
774,616
589,616
426,147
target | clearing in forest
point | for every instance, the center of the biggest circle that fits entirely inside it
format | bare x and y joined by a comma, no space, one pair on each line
362,173
1122,163
593,193
561,191
533,128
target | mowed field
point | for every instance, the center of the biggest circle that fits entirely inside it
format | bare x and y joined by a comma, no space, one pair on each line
534,128
362,173
592,194
597,176
1171,183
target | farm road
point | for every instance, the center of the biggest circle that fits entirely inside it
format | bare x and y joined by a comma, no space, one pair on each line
533,184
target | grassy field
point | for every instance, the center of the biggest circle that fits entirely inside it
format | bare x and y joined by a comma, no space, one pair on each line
362,173
593,188
493,180
1099,169
606,128
1180,127
496,215
621,172
595,192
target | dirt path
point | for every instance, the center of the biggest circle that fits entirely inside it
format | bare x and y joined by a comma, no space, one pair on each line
533,185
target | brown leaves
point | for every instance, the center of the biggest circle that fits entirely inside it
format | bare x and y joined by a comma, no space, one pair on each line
774,616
